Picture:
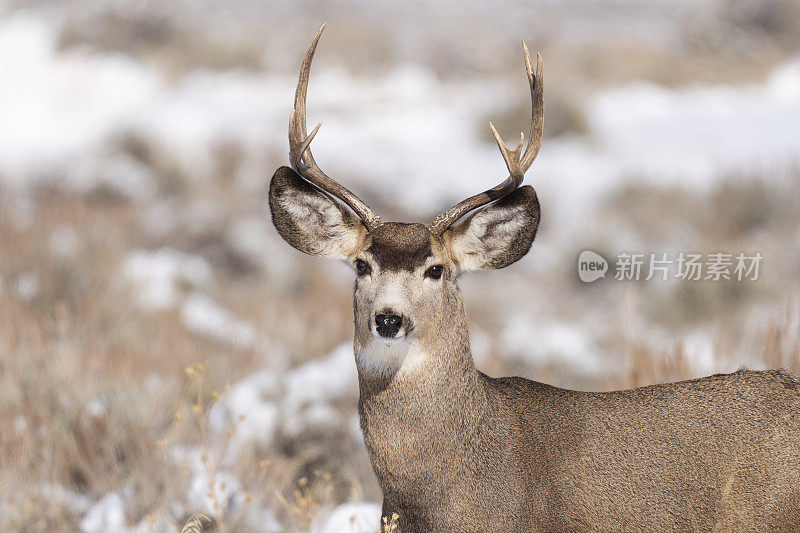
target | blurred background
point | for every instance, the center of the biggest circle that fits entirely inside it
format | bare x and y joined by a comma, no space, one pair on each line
164,354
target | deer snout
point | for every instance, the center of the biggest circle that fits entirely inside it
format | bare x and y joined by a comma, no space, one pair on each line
388,324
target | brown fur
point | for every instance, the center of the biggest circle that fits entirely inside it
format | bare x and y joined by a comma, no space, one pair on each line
397,246
717,454
456,450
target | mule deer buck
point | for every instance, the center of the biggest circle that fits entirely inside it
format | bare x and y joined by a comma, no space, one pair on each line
457,450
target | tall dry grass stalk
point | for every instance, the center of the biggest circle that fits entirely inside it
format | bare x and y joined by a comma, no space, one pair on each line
196,524
222,519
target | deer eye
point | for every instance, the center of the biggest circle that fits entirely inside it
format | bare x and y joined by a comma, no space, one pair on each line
362,268
434,272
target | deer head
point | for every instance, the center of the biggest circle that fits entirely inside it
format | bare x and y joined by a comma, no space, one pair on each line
407,303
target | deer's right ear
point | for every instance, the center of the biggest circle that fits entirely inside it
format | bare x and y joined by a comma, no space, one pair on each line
310,220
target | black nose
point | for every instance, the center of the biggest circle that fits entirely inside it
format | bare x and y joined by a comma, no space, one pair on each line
388,325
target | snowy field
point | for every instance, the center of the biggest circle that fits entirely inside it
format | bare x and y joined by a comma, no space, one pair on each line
164,354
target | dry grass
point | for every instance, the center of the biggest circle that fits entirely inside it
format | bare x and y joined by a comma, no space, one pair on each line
196,524
95,393
95,396
93,385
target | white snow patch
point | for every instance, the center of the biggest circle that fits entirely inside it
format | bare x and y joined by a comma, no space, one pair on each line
481,345
700,351
351,517
157,523
76,504
695,135
227,488
60,110
27,286
413,126
263,404
159,276
96,409
229,491
20,424
201,315
255,239
310,389
64,241
108,514
529,339
57,107
117,172
249,408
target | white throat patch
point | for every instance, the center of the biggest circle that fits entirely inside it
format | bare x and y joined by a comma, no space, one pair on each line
390,357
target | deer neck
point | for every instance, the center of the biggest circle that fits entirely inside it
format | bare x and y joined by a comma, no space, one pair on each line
436,403
423,373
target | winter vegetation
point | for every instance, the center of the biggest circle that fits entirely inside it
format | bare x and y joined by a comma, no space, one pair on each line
164,355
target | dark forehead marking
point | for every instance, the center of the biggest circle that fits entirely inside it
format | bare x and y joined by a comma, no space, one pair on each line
399,246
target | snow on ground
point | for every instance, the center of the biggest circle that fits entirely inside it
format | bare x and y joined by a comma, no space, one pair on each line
75,503
361,517
312,388
261,405
250,409
254,238
227,490
201,315
108,514
64,242
695,134
529,339
60,109
692,137
27,286
161,279
406,137
160,275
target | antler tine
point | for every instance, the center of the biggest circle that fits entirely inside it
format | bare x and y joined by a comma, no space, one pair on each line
511,157
536,83
517,162
300,155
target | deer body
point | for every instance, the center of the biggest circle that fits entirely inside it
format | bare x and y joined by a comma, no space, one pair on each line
456,450
524,456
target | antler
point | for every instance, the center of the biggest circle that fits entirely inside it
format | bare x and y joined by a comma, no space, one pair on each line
517,164
300,154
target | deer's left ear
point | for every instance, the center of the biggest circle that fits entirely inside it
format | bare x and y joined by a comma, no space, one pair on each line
498,235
